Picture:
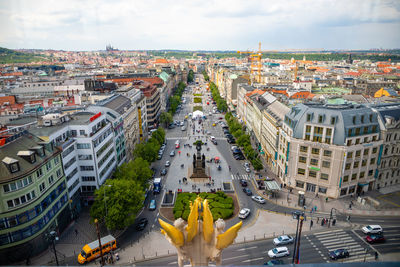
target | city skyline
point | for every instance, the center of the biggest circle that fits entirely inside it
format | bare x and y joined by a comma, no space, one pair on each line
199,25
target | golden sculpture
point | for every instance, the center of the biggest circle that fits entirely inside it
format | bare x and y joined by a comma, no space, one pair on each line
197,240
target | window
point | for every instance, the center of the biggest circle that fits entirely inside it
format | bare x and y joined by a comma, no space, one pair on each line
354,176
365,140
320,119
358,153
374,138
365,130
301,171
56,160
314,162
326,164
85,157
14,167
354,119
370,172
87,168
345,178
328,132
372,161
324,176
348,166
352,189
82,132
299,184
349,132
83,146
315,151
343,191
356,164
312,173
48,165
51,179
362,118
303,149
59,173
302,159
374,128
308,117
308,129
362,174
364,163
88,178
10,204
358,130
39,173
333,120
327,153
349,142
357,141
322,190
42,187
366,151
349,155
370,117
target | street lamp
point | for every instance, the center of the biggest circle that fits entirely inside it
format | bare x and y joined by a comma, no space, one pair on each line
299,216
52,236
105,206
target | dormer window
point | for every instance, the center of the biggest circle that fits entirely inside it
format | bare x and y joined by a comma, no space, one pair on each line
354,119
29,156
39,150
12,164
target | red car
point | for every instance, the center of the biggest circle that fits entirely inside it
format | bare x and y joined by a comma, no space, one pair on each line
177,146
375,238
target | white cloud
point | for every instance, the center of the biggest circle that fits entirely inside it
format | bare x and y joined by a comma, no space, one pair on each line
207,24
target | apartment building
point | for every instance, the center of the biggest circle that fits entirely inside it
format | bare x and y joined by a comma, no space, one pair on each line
88,150
33,193
332,150
389,165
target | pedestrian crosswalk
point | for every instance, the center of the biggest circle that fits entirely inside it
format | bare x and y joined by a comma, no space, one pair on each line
336,239
241,177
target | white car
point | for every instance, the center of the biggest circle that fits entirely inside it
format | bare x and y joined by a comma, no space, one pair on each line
283,240
372,229
167,163
234,148
258,199
246,165
248,170
278,252
244,213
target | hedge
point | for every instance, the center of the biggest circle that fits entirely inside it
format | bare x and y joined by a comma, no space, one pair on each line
197,100
221,205
197,108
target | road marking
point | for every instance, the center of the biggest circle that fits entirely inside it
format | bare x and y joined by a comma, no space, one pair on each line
328,232
158,214
174,262
256,259
231,258
242,249
331,237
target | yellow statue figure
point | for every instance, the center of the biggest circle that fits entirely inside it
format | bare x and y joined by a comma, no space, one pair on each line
198,241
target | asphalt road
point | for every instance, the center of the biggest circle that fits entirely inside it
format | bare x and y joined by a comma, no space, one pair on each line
314,247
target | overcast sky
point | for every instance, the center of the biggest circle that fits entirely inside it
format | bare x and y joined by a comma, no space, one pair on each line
200,24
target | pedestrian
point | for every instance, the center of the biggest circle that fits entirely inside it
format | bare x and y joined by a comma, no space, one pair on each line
333,222
326,199
317,219
322,222
76,232
348,217
376,255
311,224
316,195
350,206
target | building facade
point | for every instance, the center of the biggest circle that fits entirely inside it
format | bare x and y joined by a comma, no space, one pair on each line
34,196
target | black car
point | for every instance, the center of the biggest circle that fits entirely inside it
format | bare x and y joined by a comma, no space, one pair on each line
274,262
339,254
141,224
239,156
243,182
163,172
230,136
231,141
226,131
214,142
225,127
247,191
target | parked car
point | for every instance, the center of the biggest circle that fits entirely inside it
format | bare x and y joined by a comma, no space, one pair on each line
214,142
375,238
225,127
183,128
226,131
339,254
247,170
233,148
141,224
372,229
258,199
237,151
159,156
167,163
247,191
244,213
278,252
152,205
172,154
163,172
243,182
239,156
283,240
274,262
231,141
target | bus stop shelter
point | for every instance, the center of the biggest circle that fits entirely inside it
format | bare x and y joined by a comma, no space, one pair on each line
272,188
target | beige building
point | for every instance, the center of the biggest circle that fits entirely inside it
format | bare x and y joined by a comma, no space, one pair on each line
329,150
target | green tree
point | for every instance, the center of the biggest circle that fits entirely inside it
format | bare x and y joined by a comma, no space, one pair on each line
190,76
257,165
159,135
237,133
166,118
137,170
123,198
243,140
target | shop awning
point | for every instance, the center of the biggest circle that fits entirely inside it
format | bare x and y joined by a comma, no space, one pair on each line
272,186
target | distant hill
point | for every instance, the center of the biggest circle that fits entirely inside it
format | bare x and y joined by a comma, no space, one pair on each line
8,56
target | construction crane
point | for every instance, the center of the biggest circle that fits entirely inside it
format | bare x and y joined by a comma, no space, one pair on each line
255,63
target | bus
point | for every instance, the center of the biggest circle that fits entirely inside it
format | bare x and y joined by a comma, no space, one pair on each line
91,251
